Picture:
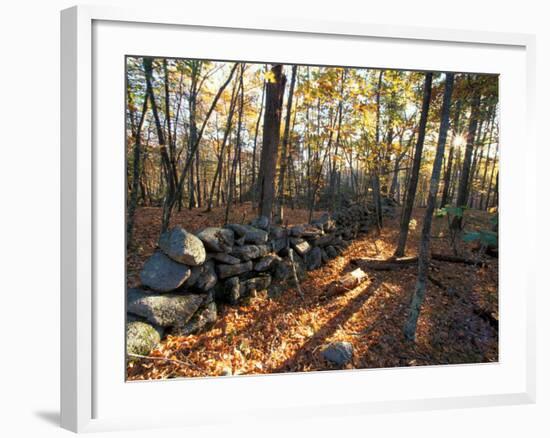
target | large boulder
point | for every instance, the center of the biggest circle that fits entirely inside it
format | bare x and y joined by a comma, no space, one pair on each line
250,234
182,246
163,274
225,271
313,259
217,239
141,337
339,353
165,310
203,319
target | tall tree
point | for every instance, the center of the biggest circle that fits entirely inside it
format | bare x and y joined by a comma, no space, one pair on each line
284,147
136,135
413,181
167,163
375,177
270,142
462,196
445,196
424,250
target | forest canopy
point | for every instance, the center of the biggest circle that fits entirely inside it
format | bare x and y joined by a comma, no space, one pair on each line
345,133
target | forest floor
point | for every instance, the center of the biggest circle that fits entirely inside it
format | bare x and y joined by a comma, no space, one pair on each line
265,335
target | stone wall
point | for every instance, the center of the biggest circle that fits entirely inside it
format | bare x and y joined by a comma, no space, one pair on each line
189,276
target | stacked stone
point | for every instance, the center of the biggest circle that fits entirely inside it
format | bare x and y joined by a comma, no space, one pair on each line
189,276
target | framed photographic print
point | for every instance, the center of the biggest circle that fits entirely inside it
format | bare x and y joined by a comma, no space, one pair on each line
276,217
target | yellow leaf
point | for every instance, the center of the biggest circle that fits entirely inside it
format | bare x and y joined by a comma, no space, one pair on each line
270,77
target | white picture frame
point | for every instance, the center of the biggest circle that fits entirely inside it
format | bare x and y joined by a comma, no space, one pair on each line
86,400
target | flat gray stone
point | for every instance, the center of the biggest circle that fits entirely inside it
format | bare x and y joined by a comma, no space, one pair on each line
339,353
182,246
325,240
163,274
165,310
256,236
266,262
217,239
250,234
225,271
225,258
300,246
246,252
203,319
239,229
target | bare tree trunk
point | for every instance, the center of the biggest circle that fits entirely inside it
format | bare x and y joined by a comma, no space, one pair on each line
219,168
136,133
413,183
233,173
376,168
491,178
254,149
170,196
169,205
333,177
424,250
284,148
462,197
447,179
270,142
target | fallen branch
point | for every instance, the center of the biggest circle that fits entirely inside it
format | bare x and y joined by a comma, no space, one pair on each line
453,259
403,262
385,265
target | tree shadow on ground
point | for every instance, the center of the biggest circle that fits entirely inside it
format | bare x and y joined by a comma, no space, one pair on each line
306,351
